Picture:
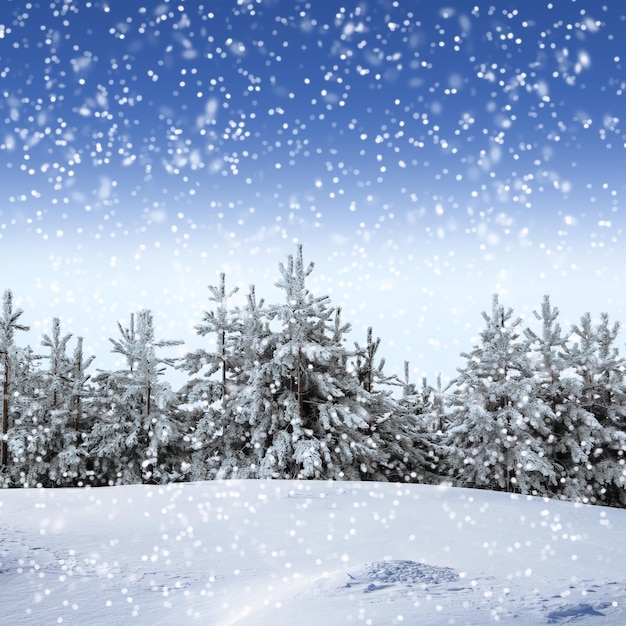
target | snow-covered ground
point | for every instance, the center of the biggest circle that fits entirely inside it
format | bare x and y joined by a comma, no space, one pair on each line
288,552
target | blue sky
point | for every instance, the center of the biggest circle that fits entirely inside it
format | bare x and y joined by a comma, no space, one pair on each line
426,154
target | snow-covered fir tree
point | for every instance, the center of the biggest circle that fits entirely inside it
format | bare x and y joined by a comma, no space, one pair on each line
221,442
138,435
9,357
498,424
71,418
367,370
600,393
204,394
26,437
421,413
203,364
401,428
547,354
300,409
426,401
45,443
573,427
38,435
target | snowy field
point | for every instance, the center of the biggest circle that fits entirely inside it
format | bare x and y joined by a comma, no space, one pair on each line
287,552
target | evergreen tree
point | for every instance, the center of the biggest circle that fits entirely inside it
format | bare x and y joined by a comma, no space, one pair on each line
79,390
498,424
427,401
9,323
220,441
70,420
547,354
401,427
367,371
46,446
26,436
41,430
300,411
573,428
60,365
213,372
207,363
138,436
600,394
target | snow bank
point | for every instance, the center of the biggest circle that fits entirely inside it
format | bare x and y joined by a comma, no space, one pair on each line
287,552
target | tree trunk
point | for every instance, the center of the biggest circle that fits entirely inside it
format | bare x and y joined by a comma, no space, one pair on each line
223,356
300,394
5,414
77,420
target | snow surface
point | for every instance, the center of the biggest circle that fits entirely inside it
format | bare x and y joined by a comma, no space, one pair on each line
289,552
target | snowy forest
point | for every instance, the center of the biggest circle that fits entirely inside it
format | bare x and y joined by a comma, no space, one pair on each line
284,393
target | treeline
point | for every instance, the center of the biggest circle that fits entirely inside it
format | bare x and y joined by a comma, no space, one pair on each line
280,392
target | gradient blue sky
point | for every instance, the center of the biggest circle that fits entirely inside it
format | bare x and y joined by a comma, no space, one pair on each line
427,155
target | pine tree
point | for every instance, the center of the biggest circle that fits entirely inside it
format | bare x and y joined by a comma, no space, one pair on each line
573,428
138,436
44,424
46,447
60,366
300,410
221,441
26,436
70,420
426,401
9,356
78,385
498,424
412,453
206,363
213,372
365,363
600,394
547,354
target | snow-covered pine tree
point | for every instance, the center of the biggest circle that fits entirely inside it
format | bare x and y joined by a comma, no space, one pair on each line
137,436
546,351
44,442
399,426
611,464
68,463
43,426
59,364
301,407
600,392
27,452
426,401
79,389
498,425
212,373
573,428
365,366
221,442
9,323
203,364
